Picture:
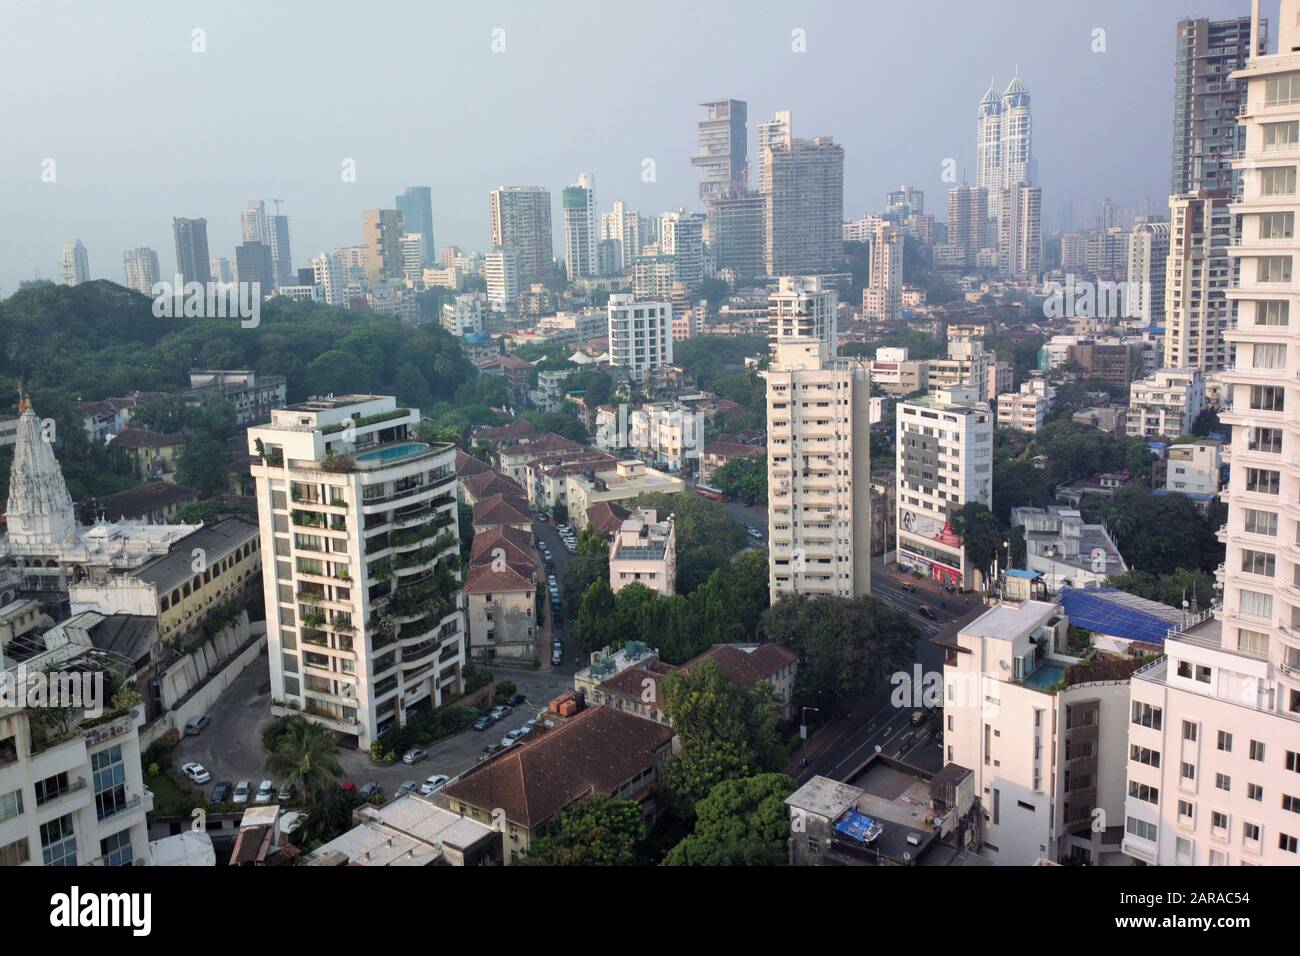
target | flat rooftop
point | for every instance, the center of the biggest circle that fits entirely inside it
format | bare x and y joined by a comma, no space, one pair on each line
1006,622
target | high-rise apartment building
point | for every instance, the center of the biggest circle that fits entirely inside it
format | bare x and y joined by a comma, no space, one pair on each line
819,471
1221,710
1020,231
252,222
734,233
945,461
804,187
882,299
327,274
415,203
681,235
75,263
623,226
140,269
1206,101
903,203
640,334
520,221
503,278
277,232
253,264
775,132
803,307
192,260
381,234
968,217
1198,272
579,204
364,606
1148,256
1003,138
721,156
412,246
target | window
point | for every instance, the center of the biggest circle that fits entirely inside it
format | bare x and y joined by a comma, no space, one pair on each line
1255,603
1253,643
1268,398
1281,135
1143,792
58,842
1257,750
110,782
1182,850
11,805
1186,811
1268,440
1225,741
1258,562
1254,792
1277,181
1223,782
1282,90
1290,804
1272,313
1261,522
1263,481
1268,356
1189,730
1187,771
1146,715
15,854
1293,761
1218,820
1286,842
1277,225
1140,828
1144,755
116,849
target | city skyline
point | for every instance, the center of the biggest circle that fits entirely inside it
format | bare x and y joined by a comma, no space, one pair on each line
203,171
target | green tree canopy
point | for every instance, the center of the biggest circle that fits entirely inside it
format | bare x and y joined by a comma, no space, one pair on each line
742,822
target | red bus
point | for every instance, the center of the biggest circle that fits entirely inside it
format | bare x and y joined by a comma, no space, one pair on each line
707,491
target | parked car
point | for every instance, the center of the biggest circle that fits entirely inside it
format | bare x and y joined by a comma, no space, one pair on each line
288,792
414,755
408,786
528,726
434,784
221,792
500,710
516,699
484,722
542,517
510,739
490,751
907,586
196,772
372,789
265,792
926,612
918,718
347,786
753,532
195,725
242,791
557,653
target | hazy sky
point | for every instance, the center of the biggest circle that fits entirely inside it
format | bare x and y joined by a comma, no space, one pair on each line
142,129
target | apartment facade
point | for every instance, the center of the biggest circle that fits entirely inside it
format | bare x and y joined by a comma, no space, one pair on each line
803,181
882,299
803,307
1197,309
818,471
365,617
140,269
640,334
1214,771
644,551
945,460
1167,404
519,220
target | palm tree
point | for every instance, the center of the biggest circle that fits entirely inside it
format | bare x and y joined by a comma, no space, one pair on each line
307,754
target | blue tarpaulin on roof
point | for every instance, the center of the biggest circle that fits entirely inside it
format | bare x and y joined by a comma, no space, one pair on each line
859,827
1094,610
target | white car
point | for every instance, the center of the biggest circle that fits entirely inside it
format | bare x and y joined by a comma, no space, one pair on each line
196,772
242,790
434,784
265,792
510,739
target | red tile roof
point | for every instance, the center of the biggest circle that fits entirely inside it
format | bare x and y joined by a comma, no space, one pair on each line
485,484
607,516
734,449
502,509
143,438
484,580
467,465
746,667
595,752
538,444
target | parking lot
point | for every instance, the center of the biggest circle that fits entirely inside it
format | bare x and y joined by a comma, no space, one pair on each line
230,748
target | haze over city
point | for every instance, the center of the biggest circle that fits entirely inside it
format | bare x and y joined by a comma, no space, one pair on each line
143,129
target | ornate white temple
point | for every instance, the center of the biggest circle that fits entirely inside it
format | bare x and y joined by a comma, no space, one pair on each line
44,545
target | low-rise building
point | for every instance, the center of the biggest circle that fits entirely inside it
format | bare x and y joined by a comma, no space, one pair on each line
1166,404
1027,409
412,831
151,455
601,750
501,611
1111,419
1194,468
644,551
624,481
251,395
895,374
1064,550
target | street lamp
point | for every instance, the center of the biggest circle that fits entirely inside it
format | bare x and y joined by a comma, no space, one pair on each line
803,721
